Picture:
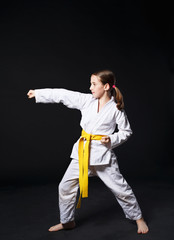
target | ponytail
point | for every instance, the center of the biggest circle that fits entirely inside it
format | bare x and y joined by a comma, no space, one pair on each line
118,97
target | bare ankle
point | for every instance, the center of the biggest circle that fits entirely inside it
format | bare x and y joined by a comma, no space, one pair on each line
141,219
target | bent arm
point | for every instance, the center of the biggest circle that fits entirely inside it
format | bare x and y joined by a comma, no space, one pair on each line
124,130
71,99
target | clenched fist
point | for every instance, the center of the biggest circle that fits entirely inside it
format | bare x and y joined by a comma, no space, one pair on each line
106,141
31,93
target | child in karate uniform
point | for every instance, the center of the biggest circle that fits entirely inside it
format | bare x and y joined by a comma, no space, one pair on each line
92,154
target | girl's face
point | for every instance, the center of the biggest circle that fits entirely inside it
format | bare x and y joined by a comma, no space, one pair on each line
97,88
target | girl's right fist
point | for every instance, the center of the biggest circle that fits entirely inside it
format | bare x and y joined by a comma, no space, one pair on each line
31,93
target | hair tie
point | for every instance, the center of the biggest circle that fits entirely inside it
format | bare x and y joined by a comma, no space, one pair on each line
114,86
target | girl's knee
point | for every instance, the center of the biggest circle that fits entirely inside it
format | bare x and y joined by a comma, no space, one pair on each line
64,187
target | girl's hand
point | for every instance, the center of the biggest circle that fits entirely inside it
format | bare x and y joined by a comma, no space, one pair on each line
106,141
31,94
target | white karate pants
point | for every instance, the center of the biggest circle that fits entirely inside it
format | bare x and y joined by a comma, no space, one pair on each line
111,177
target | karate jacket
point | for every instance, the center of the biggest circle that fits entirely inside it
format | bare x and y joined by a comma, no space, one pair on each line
103,122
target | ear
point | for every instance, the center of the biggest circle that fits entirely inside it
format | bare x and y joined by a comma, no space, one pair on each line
106,87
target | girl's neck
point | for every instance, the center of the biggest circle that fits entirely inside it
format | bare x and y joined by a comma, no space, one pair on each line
104,99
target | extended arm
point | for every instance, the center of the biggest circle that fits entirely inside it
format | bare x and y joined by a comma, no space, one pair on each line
71,99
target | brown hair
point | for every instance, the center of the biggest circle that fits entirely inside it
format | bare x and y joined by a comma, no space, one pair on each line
107,76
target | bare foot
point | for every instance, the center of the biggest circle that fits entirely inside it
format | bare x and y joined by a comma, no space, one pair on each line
142,226
60,226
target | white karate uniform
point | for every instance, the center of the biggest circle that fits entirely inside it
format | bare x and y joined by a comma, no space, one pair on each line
103,161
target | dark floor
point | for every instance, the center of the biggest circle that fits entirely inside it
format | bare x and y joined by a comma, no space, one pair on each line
28,211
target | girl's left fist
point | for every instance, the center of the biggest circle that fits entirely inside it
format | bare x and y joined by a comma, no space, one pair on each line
106,140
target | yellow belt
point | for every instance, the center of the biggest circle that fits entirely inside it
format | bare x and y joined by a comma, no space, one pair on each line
83,152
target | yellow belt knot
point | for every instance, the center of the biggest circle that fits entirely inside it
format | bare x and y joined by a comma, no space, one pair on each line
83,152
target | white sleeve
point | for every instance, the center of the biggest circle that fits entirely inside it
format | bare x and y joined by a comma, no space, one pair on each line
124,129
71,99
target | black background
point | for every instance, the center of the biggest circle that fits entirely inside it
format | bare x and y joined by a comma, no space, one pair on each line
59,45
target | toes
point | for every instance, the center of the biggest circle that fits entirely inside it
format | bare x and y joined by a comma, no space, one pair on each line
51,228
54,228
143,231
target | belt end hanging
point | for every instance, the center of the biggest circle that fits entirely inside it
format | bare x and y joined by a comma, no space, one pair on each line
79,202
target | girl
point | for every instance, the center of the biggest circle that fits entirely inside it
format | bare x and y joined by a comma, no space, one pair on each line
92,154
